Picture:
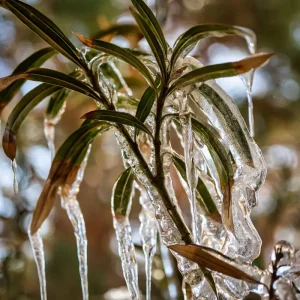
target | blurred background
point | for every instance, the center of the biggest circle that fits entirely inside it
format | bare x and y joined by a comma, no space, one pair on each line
277,124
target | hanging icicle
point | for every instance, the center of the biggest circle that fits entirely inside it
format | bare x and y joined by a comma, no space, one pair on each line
148,233
70,203
39,257
15,180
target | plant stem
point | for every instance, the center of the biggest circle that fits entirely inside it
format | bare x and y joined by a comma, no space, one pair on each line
158,180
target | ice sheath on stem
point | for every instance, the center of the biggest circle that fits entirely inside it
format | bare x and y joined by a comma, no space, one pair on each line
188,147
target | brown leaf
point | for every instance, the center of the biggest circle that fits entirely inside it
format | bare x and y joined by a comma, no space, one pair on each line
216,261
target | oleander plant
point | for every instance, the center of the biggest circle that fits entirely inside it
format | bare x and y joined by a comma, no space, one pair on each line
219,164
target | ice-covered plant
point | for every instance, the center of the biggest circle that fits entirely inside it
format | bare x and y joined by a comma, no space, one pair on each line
221,169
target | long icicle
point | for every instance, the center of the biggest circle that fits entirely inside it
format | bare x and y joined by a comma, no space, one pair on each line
148,233
70,203
39,257
248,82
75,215
187,136
127,254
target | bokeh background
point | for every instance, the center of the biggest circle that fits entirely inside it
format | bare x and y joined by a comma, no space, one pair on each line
277,125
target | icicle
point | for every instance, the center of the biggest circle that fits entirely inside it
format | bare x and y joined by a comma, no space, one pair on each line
188,147
127,254
49,130
75,215
248,82
15,182
148,233
70,203
39,257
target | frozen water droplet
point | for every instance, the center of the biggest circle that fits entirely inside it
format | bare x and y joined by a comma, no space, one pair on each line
39,257
15,183
282,253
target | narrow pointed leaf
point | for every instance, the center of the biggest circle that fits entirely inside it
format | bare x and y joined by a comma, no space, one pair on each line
50,77
122,193
20,112
64,169
220,70
217,101
33,61
188,40
224,165
145,105
154,44
150,18
117,117
44,27
58,100
218,262
119,53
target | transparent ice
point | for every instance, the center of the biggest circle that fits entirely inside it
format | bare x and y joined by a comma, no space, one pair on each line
70,203
39,257
148,233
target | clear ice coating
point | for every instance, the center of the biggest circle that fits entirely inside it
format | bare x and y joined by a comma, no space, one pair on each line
244,243
148,233
39,257
70,203
188,147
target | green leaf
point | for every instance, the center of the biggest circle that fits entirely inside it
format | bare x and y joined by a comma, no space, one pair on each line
45,28
217,101
218,262
188,40
117,117
20,112
122,193
51,77
145,105
224,164
58,99
154,26
154,44
119,53
64,169
33,61
203,196
220,70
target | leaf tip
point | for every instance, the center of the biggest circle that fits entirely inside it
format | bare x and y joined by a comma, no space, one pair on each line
86,41
9,144
252,62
